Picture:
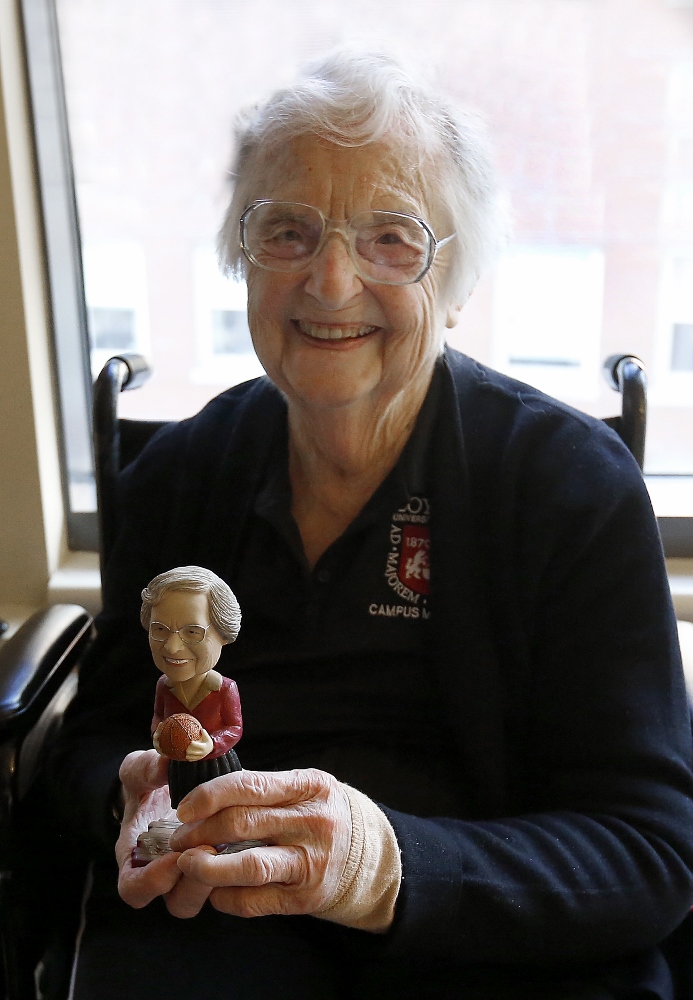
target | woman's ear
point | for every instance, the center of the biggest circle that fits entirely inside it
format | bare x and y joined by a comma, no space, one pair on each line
453,315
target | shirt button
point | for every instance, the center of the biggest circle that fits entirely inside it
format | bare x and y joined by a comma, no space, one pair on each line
323,576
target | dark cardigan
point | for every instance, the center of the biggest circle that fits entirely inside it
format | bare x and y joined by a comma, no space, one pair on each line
553,633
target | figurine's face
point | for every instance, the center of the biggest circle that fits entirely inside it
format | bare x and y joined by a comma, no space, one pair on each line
180,662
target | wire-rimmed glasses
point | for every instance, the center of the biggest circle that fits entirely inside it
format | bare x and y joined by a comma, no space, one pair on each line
189,634
390,248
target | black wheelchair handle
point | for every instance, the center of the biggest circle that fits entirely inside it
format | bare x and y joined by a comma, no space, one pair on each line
35,660
626,374
620,368
120,373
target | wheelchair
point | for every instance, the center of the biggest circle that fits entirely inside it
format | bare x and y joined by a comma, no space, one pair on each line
38,678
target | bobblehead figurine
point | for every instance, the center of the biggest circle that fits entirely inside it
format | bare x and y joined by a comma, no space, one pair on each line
190,613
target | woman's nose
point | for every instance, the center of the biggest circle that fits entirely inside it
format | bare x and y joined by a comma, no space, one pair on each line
173,644
333,279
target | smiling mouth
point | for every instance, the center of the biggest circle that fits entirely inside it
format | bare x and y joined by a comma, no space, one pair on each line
319,332
174,663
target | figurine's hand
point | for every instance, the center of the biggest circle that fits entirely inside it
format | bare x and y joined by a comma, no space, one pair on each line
155,740
305,817
198,749
143,775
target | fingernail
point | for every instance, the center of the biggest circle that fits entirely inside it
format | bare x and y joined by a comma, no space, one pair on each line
185,863
185,812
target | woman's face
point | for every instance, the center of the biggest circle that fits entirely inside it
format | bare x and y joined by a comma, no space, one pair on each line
382,338
181,662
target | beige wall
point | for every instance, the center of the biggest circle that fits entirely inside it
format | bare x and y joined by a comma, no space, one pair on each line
31,516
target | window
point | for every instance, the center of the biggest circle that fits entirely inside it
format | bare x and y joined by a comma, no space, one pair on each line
548,318
112,329
590,106
230,334
672,377
682,348
225,352
115,290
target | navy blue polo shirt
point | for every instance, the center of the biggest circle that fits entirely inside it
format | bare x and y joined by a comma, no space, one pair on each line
332,663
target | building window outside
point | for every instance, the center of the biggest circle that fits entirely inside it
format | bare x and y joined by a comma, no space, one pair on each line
230,333
112,329
672,370
225,354
678,306
116,295
548,318
682,348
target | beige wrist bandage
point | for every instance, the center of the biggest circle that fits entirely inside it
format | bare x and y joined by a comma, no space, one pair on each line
370,882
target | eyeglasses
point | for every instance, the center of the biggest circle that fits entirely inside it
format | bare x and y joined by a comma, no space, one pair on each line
386,247
189,634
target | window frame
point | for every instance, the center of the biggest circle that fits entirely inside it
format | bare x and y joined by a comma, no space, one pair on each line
63,259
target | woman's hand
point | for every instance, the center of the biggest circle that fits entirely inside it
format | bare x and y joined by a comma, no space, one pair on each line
303,814
143,775
197,749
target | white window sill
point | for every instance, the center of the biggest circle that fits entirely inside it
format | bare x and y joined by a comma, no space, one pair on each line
77,581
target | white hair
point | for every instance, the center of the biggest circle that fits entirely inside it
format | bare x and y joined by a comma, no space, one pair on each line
359,99
224,610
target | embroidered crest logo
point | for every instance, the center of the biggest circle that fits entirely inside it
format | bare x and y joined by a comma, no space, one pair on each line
408,568
414,559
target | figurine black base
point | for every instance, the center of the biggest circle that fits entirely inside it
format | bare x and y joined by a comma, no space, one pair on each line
184,775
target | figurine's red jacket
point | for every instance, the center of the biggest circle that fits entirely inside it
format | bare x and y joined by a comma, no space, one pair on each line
219,713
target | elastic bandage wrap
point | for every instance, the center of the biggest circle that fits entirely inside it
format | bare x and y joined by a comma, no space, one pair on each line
370,882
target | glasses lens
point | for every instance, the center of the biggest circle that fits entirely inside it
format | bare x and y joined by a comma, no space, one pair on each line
159,632
281,234
191,634
394,248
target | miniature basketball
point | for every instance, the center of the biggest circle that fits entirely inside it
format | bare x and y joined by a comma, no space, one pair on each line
177,733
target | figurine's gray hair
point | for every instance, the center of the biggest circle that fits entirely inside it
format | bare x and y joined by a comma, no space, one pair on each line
358,99
224,610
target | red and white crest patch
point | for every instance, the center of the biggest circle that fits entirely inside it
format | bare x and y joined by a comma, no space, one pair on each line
414,568
408,564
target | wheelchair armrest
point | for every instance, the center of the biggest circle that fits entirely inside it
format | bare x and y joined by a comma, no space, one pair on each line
35,661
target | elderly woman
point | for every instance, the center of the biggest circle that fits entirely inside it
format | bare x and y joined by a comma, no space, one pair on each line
467,738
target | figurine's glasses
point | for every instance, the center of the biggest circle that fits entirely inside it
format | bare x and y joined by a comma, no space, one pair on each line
390,248
189,634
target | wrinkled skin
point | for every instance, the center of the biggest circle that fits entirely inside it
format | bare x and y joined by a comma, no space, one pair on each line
143,775
303,814
369,373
